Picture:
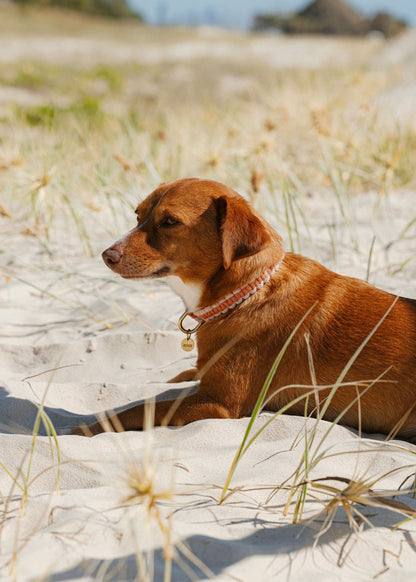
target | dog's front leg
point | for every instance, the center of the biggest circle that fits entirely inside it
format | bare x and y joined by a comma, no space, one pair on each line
133,419
185,376
176,413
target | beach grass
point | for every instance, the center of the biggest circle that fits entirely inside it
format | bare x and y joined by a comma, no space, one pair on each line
93,137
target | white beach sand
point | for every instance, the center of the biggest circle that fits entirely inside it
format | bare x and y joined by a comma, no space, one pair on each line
74,525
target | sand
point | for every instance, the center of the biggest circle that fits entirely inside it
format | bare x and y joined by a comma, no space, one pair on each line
66,518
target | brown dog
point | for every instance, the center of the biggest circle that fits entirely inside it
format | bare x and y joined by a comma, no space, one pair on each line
229,267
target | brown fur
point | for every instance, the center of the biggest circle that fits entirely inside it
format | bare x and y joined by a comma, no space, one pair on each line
220,243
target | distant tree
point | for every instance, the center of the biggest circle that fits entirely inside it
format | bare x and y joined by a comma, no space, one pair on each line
109,8
386,24
330,17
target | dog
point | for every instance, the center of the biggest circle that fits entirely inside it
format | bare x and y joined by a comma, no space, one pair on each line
352,358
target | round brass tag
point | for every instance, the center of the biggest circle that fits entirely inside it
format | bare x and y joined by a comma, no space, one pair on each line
188,344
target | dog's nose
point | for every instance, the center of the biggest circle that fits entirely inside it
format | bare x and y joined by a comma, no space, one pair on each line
112,256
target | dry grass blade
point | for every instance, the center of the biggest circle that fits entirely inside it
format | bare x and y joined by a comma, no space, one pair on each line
356,492
143,490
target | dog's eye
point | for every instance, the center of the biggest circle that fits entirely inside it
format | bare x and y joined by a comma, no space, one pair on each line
169,221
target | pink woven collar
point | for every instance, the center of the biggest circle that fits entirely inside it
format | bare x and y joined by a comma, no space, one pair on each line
236,297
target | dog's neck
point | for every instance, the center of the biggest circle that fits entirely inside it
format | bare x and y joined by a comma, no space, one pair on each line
231,300
191,294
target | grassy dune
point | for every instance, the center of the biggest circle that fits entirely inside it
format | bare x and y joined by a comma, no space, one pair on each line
224,110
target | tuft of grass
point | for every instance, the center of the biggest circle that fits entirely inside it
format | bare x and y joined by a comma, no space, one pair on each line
38,115
355,493
140,487
143,490
359,490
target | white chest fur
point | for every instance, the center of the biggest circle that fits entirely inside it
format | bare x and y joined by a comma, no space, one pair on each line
190,293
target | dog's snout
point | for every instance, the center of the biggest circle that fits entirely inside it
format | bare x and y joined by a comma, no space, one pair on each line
112,256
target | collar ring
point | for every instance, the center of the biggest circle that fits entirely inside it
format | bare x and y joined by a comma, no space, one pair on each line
188,331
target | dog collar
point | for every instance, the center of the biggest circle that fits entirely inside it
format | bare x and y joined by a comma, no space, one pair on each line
234,298
223,305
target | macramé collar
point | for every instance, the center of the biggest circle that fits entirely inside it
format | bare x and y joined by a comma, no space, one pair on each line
235,297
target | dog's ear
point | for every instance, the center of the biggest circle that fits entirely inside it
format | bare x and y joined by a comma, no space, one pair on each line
242,233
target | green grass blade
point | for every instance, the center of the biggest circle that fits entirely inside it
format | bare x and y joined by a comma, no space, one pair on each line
258,406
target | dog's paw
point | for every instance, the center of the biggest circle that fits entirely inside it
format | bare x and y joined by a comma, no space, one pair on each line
64,431
74,430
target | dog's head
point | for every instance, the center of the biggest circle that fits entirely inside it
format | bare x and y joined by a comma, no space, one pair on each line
190,228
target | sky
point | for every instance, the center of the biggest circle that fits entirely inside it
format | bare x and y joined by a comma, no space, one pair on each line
240,13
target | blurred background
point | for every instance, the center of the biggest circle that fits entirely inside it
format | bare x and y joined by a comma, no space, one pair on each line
242,14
